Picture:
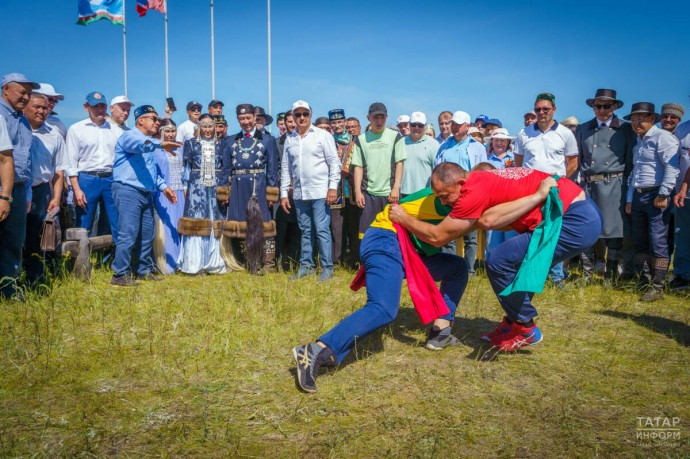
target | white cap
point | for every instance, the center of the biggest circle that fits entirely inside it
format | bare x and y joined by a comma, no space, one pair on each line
500,133
461,118
403,119
300,104
418,117
48,90
121,100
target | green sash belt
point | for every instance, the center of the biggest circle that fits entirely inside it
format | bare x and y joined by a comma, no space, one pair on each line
535,267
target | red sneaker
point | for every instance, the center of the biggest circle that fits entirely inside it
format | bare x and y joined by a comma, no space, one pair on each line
498,333
519,336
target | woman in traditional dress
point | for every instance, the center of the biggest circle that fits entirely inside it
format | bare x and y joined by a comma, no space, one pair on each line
200,227
167,242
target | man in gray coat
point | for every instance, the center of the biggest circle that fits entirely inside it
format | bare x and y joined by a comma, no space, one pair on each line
605,145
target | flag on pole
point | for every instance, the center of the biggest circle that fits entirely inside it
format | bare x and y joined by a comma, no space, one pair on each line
144,5
95,10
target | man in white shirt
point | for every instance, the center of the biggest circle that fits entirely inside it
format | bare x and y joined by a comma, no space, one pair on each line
310,159
91,152
546,145
550,147
185,130
47,172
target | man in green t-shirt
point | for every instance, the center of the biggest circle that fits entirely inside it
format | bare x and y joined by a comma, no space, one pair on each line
377,163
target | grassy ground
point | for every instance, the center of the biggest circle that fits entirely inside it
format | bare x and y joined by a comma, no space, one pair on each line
201,367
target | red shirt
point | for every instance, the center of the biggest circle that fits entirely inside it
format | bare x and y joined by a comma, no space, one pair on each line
486,189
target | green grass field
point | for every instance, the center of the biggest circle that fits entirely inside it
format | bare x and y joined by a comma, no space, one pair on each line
202,367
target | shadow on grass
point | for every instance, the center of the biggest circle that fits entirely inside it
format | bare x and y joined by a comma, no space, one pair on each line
407,322
671,328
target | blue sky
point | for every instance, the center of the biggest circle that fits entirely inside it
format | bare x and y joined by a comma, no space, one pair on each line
481,57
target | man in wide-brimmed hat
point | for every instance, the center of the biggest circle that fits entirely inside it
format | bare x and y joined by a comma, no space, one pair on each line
654,173
605,144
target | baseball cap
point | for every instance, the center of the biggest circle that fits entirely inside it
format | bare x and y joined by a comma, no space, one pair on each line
494,121
483,118
418,117
17,78
48,90
94,98
403,119
300,104
193,104
377,108
215,103
461,117
121,100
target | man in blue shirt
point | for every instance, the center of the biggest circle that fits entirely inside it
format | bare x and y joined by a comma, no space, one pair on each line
16,89
135,180
466,152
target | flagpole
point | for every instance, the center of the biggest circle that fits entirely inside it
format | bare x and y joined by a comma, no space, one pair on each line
213,59
124,40
269,57
167,82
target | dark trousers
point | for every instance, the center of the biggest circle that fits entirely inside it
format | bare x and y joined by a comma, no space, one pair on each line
372,206
351,224
97,189
34,259
135,232
12,235
649,225
581,229
338,234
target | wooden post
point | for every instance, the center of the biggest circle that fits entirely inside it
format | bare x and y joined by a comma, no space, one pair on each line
82,265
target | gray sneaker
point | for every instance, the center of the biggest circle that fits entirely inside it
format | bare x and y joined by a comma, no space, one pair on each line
303,272
309,359
440,339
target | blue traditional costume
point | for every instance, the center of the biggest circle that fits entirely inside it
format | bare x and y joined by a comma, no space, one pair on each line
200,227
170,167
250,168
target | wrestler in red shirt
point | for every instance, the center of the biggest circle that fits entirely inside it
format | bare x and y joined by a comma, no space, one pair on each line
503,199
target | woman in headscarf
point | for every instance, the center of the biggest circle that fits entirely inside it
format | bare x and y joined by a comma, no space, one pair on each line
167,242
200,227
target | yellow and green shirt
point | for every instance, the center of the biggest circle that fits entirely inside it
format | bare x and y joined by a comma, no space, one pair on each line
422,205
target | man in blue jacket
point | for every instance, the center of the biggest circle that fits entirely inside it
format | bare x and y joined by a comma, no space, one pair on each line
135,180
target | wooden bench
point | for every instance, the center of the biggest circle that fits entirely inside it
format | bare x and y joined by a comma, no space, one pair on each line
79,245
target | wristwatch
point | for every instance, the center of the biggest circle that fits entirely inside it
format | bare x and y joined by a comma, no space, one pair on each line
6,198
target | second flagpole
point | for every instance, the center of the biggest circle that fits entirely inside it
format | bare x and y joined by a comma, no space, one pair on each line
124,40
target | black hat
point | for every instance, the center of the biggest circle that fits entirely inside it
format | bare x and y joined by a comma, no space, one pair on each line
377,108
193,104
219,119
643,107
606,94
260,111
336,114
244,109
321,120
280,116
215,103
